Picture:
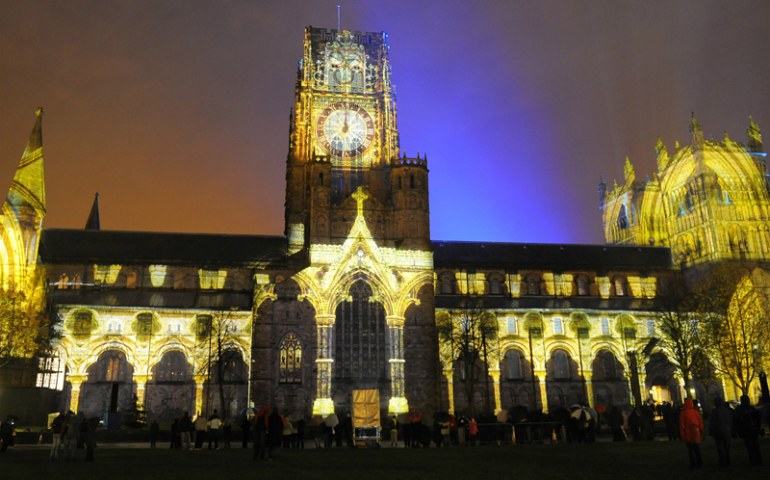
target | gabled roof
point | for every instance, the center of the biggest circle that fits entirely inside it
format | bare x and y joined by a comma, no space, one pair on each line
563,256
65,246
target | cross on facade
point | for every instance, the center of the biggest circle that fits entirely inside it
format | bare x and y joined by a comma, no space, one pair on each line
360,196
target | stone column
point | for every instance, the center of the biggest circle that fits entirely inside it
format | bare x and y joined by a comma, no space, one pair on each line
589,388
398,403
449,374
323,404
75,381
141,383
200,380
541,374
496,377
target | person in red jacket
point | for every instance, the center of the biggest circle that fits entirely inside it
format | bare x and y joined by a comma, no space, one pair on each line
691,429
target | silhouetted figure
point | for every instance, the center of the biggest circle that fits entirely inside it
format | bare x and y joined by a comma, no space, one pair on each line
616,425
274,434
721,428
245,430
155,431
748,425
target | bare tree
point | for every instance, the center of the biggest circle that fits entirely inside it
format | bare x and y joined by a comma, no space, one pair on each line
470,335
681,338
734,308
217,353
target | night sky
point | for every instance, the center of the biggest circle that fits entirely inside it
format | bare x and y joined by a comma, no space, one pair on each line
176,112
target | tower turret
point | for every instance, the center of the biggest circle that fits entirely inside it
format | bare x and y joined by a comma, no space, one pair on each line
696,133
755,138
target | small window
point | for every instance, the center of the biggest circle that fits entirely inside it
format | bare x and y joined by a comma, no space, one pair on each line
446,284
558,326
399,183
411,181
605,326
512,325
131,279
582,285
63,281
651,327
620,286
533,284
291,360
321,178
494,286
76,281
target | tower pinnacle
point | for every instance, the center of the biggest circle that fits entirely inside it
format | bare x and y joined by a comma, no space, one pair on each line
28,187
93,222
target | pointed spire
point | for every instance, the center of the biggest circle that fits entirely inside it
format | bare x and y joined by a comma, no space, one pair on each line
661,155
727,137
676,145
28,187
628,171
755,138
602,189
696,132
93,222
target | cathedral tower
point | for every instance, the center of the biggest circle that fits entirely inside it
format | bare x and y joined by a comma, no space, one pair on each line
343,136
357,221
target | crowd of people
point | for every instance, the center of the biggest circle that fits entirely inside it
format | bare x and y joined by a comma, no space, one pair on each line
270,431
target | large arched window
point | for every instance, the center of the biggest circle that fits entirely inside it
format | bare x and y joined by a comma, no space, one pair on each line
513,365
533,284
560,365
171,368
608,365
290,360
113,364
360,336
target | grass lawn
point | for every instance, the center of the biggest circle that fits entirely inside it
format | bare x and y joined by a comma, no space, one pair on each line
646,460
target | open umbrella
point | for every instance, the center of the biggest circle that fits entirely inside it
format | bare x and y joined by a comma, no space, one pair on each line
601,409
295,417
317,420
502,416
248,412
579,411
593,413
332,421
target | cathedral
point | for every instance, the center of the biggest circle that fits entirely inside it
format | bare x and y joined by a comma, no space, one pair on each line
357,295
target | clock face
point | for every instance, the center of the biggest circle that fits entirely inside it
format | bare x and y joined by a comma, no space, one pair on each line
345,130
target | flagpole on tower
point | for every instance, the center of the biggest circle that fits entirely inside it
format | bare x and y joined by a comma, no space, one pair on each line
339,23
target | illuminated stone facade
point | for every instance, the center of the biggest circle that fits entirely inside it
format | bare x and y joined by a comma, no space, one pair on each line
350,296
708,202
